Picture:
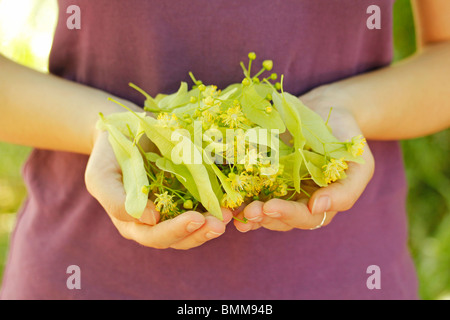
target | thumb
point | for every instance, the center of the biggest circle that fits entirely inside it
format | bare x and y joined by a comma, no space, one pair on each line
342,194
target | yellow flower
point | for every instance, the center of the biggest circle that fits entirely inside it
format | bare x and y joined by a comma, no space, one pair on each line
281,190
238,181
268,180
209,101
254,186
233,117
168,120
210,91
232,202
356,146
164,202
333,169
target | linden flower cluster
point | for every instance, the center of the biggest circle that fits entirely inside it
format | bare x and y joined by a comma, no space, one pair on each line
212,115
252,185
239,170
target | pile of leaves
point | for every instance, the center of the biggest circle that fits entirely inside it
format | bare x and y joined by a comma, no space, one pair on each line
221,148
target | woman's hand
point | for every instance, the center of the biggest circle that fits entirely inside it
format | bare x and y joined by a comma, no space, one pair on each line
104,181
304,213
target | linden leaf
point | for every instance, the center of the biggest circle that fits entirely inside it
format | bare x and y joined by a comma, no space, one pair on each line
133,171
293,121
176,100
254,107
162,138
182,173
314,163
316,132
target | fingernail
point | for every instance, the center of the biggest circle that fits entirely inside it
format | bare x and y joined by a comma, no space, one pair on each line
212,234
192,226
321,205
273,214
246,229
255,219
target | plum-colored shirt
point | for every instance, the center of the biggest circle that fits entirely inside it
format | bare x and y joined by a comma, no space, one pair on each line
154,44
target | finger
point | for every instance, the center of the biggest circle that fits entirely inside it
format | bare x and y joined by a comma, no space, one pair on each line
164,234
342,194
150,215
211,229
293,213
249,218
227,215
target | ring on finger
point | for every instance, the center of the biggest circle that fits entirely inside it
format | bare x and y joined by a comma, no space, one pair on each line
320,225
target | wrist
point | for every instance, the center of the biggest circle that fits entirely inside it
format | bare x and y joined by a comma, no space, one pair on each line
341,99
106,108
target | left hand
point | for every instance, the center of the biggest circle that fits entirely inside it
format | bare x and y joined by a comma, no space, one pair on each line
304,213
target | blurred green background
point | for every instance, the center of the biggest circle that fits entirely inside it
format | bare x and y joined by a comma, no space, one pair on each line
26,29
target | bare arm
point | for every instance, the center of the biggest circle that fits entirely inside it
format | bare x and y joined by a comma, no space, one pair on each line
48,112
44,111
408,99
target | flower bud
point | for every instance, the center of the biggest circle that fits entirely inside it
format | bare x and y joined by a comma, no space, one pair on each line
245,82
145,189
268,64
252,56
188,204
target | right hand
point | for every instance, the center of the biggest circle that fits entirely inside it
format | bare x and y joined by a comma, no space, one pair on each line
103,179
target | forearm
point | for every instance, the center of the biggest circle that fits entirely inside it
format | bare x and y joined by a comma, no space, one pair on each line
402,101
48,112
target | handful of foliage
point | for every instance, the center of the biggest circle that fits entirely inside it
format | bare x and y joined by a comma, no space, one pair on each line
221,148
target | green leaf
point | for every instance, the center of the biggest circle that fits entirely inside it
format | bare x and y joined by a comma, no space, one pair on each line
123,121
225,184
152,157
133,171
161,137
172,101
342,153
254,107
316,132
182,173
314,163
293,121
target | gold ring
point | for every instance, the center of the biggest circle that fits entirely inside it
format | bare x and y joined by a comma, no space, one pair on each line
321,224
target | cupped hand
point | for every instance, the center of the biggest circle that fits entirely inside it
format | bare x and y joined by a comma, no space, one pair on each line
103,178
324,203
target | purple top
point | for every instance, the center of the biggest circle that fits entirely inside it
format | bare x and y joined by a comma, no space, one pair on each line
154,44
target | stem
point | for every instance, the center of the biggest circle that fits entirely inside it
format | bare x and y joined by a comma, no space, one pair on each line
259,73
176,192
124,106
140,90
193,78
271,85
329,114
245,70
240,220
